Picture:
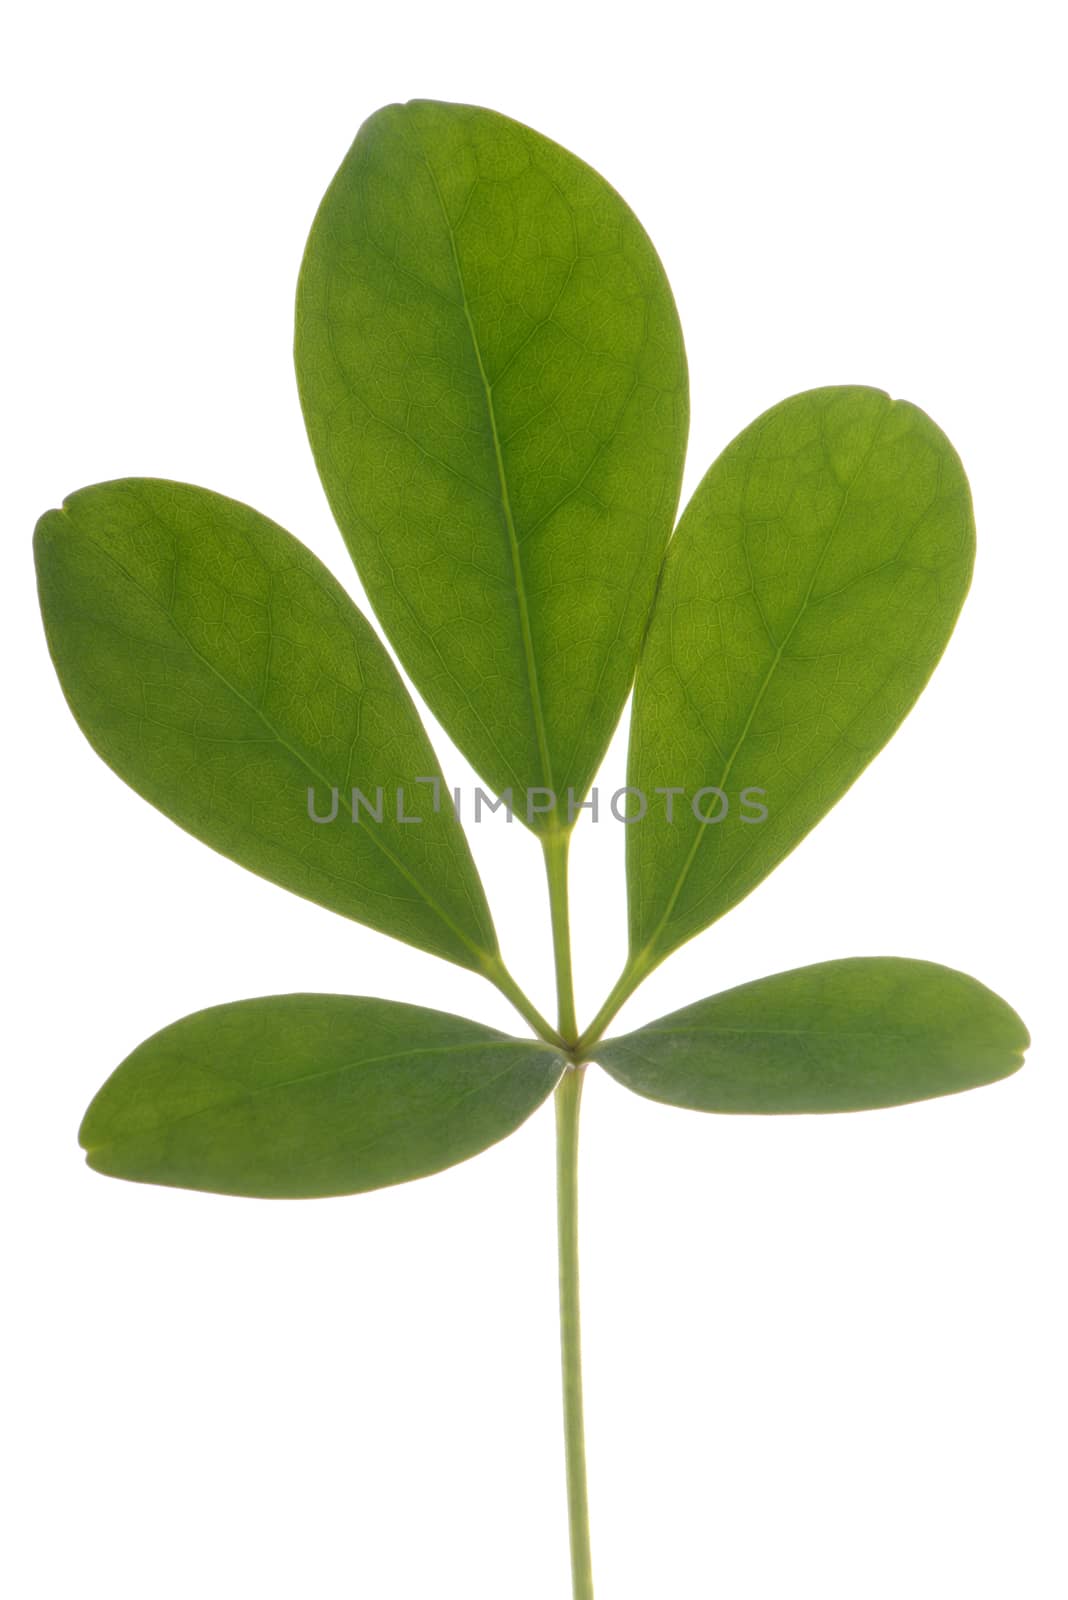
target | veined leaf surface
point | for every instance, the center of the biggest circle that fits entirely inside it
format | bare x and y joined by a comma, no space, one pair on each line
302,1095
841,1036
220,670
494,384
809,591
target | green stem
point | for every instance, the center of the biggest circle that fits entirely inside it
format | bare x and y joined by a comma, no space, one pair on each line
634,973
568,1097
498,974
555,846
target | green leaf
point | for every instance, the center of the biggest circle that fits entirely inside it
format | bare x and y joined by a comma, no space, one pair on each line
221,671
494,385
312,1094
810,589
842,1036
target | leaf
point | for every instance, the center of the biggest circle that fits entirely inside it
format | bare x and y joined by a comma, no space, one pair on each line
842,1036
810,589
221,671
301,1095
494,385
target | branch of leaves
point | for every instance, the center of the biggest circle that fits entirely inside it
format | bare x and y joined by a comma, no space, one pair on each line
494,385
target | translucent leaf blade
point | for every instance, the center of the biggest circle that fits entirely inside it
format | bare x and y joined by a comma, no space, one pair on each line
841,1036
222,672
809,591
494,384
305,1095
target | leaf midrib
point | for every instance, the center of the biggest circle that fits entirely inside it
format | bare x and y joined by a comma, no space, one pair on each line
529,658
479,951
257,1091
649,948
895,1037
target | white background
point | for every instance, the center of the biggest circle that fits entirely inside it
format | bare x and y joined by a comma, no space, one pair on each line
825,1357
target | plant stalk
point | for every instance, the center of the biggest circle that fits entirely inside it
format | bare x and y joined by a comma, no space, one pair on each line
568,1097
632,975
502,979
555,846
